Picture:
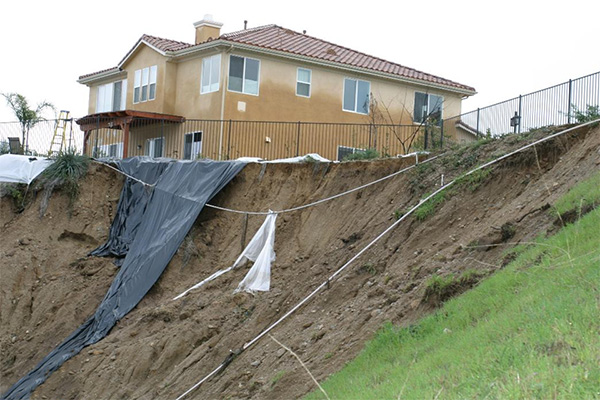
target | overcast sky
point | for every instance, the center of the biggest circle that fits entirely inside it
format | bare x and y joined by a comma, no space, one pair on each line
502,48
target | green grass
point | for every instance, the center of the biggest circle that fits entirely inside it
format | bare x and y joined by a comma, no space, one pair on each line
584,194
530,331
472,182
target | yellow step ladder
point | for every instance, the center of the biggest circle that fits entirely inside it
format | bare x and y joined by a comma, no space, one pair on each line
60,132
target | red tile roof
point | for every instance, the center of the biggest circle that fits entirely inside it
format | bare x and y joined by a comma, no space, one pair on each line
276,38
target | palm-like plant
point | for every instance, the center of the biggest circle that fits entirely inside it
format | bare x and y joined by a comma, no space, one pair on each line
27,117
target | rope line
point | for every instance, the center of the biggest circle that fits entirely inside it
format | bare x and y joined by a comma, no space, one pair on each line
293,208
368,246
124,173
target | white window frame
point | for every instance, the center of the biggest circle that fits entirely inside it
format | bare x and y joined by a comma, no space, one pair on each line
244,76
196,146
298,81
356,96
145,78
207,68
151,147
428,111
105,101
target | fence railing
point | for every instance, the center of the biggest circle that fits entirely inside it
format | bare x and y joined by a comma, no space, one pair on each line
228,139
556,105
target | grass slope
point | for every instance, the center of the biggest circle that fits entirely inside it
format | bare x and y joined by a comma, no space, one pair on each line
529,331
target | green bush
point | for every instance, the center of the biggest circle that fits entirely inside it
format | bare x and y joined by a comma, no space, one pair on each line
367,154
65,173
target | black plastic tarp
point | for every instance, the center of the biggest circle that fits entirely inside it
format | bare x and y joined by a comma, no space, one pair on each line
181,191
132,204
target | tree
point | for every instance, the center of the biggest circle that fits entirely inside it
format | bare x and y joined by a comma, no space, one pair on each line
380,115
27,117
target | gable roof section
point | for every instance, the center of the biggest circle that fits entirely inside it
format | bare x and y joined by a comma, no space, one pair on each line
277,39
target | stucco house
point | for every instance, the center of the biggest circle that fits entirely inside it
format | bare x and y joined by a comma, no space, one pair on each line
175,99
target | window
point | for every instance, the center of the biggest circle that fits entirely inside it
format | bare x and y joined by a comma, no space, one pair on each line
144,84
344,151
428,106
303,82
356,95
192,146
211,73
111,96
243,75
154,147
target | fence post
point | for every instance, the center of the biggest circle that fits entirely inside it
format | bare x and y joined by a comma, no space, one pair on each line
298,141
425,141
520,113
477,129
162,135
95,151
370,126
442,135
228,141
569,104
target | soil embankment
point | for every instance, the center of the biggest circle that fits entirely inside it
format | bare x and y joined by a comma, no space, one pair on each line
159,350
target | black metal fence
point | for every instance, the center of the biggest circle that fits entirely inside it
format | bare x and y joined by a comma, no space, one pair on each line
556,105
227,139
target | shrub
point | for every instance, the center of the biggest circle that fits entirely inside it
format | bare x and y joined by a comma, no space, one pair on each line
367,154
65,173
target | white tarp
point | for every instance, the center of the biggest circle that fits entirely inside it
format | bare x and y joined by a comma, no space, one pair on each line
21,169
292,160
261,251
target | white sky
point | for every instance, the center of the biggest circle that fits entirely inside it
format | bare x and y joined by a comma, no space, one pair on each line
502,48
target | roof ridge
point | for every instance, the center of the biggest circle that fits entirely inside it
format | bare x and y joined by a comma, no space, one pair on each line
362,53
161,38
270,37
240,31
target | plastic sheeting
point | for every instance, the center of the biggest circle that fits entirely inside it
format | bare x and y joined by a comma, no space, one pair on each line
261,251
132,204
181,191
21,169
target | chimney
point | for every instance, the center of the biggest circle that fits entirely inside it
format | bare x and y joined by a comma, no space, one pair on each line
207,28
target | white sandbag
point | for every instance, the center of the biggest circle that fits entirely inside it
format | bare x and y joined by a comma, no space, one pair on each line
15,168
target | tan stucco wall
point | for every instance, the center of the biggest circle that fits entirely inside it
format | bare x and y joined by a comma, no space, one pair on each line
188,100
178,93
147,57
277,99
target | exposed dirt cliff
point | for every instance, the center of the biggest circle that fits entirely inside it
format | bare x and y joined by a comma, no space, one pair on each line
49,286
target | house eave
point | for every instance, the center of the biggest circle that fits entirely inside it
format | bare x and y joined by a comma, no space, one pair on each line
102,76
185,53
134,49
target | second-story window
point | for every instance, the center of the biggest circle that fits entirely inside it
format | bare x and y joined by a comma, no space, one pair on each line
428,107
111,96
211,73
303,82
144,84
243,75
356,95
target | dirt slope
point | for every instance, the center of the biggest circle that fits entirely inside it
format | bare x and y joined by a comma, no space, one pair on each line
48,287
